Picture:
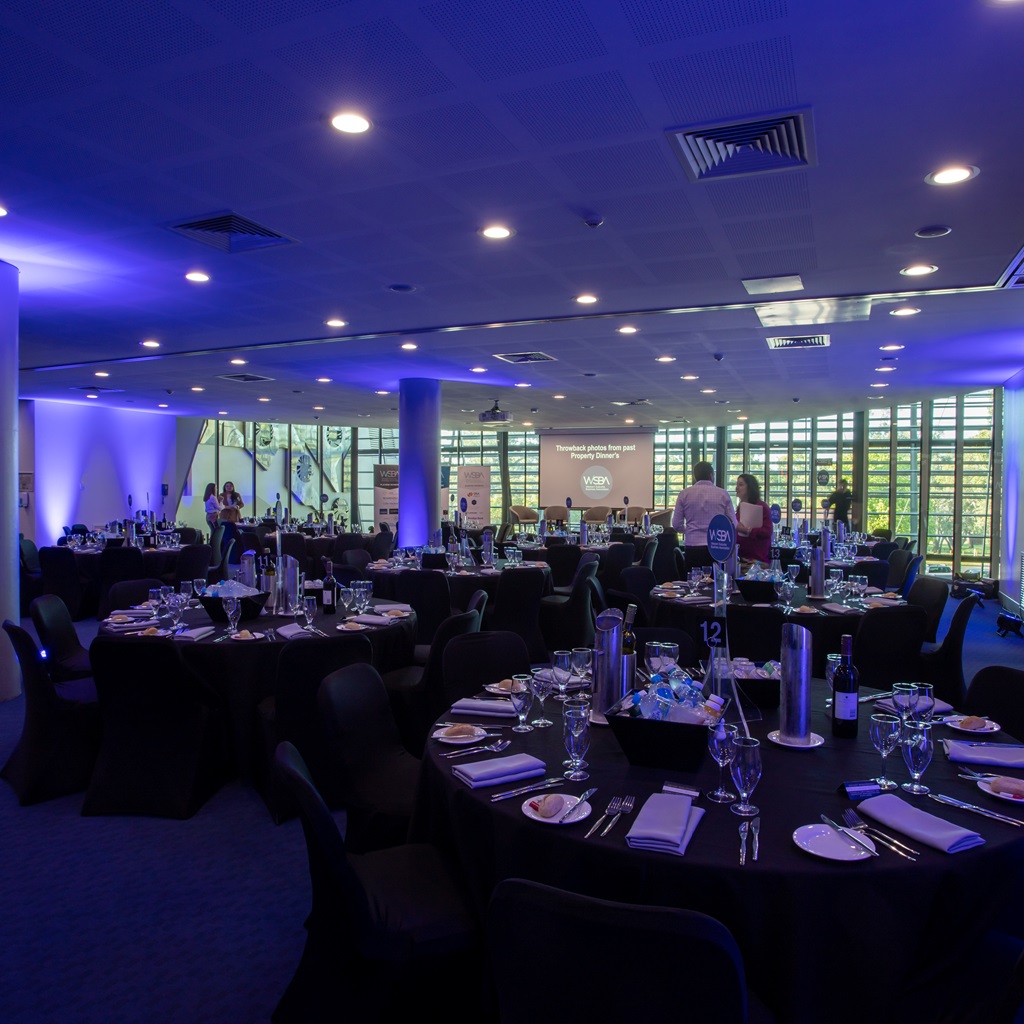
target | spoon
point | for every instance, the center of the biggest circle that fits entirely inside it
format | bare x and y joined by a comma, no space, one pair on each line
499,745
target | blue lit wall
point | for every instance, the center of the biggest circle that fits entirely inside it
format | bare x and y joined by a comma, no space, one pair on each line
1013,486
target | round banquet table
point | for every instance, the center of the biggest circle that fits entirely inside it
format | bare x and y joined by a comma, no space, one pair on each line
894,931
461,585
243,672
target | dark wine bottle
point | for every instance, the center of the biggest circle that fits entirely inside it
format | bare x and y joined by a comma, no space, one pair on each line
629,650
330,598
845,692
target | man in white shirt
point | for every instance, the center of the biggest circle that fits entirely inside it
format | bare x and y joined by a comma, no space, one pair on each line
696,506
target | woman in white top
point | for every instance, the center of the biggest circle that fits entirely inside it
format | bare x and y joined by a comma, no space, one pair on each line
213,506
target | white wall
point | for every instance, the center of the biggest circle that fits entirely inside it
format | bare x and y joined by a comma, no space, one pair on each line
1012,542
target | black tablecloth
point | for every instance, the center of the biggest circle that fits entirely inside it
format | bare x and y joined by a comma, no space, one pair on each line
878,939
462,585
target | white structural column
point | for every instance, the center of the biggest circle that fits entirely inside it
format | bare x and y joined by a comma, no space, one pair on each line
419,460
10,676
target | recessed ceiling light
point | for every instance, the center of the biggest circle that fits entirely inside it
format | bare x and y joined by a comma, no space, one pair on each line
198,276
904,311
262,399
382,392
934,231
690,376
223,412
879,385
919,270
629,421
708,391
496,231
558,396
891,347
335,322
523,384
318,408
743,417
586,299
3,211
199,389
586,407
162,405
952,175
409,346
238,362
150,343
628,329
733,410
875,398
885,369
665,359
350,122
91,395
478,369
527,423
323,380
101,373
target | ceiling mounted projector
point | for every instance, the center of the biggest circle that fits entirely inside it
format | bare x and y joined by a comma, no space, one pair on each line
495,415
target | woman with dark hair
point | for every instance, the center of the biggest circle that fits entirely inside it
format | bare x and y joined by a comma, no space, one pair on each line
754,542
230,497
213,506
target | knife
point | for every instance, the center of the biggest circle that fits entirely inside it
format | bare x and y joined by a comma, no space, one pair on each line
1001,746
850,834
951,802
476,725
545,784
568,816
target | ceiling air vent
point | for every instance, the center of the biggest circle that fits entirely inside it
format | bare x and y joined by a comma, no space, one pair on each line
1013,275
780,143
637,401
803,341
230,233
96,390
524,357
244,378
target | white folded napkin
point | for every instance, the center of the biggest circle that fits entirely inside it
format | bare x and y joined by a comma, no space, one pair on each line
195,634
839,609
490,572
496,771
127,627
886,704
1000,754
374,620
874,590
665,823
887,602
492,708
694,599
291,631
390,606
896,813
135,613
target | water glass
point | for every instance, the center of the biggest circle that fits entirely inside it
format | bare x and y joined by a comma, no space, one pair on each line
345,597
720,744
652,657
521,695
176,605
309,611
746,773
904,699
198,586
540,682
576,736
561,671
232,608
581,658
925,706
154,600
669,658
885,734
916,741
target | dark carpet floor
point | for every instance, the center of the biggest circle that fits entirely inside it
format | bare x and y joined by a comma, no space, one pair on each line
139,920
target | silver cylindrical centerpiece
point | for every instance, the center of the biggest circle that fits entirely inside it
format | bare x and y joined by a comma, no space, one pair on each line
795,718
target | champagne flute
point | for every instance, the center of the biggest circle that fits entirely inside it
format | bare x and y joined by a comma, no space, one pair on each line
720,745
232,608
309,611
541,683
746,773
885,734
576,736
521,695
561,670
917,754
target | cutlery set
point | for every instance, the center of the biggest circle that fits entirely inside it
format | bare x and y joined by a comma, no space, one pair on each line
617,806
856,823
750,828
499,745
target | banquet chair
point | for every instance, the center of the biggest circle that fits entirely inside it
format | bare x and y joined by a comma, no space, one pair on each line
567,622
695,558
290,712
664,564
563,559
596,514
931,594
754,633
61,731
478,603
635,513
131,592
901,542
381,544
997,692
216,544
117,565
554,513
598,599
375,773
899,562
883,550
887,645
637,582
66,657
886,535
599,930
346,542
476,660
293,544
192,564
383,926
30,573
944,667
517,607
60,576
619,556
358,558
911,575
876,572
649,554
188,534
668,635
522,515
429,595
416,691
162,747
584,558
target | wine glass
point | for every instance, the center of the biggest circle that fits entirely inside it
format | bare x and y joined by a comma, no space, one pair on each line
561,670
885,734
176,605
185,590
746,773
925,706
541,682
154,601
581,657
198,586
669,658
309,611
521,695
916,741
232,608
576,736
652,657
720,744
904,699
781,586
165,593
345,596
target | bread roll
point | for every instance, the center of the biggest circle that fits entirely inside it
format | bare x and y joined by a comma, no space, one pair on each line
548,806
1011,787
456,731
973,722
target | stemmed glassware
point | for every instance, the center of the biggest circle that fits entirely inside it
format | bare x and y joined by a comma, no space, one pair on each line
669,658
925,706
232,608
309,611
793,570
541,683
198,586
581,658
176,605
746,773
720,745
576,736
885,734
904,700
916,741
155,601
345,596
652,657
784,594
561,671
521,695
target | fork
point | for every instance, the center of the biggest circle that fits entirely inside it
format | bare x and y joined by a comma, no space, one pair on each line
614,807
499,745
626,807
978,776
853,820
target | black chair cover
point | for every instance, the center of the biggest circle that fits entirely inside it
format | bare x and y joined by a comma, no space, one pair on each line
568,622
429,595
65,655
60,577
944,667
887,645
475,660
116,565
517,607
931,594
996,692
